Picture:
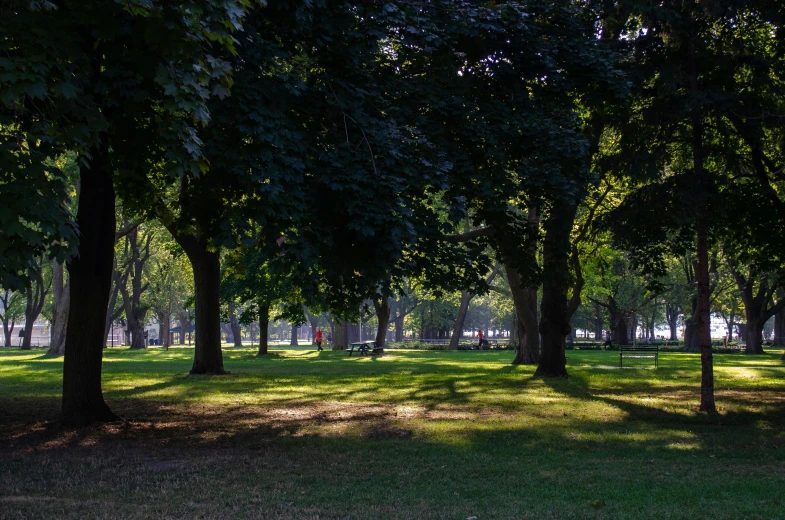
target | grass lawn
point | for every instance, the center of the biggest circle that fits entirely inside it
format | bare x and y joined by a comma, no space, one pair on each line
409,434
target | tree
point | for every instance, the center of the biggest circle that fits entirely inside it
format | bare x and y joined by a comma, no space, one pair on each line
35,293
466,297
259,284
622,293
137,253
170,284
11,305
100,67
757,291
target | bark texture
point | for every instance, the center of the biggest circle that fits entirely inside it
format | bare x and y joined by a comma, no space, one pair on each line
555,314
527,333
457,329
383,316
90,272
293,340
264,324
208,357
341,335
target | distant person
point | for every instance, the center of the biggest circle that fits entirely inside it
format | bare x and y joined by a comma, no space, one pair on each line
319,339
482,341
329,338
608,341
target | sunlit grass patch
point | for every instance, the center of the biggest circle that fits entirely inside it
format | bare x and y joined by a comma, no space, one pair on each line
405,435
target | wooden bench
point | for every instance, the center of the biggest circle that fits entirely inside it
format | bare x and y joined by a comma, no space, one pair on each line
364,348
639,352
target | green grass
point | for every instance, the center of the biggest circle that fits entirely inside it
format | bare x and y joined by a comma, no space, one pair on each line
411,434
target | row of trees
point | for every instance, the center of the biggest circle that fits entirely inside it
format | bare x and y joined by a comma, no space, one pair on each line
328,151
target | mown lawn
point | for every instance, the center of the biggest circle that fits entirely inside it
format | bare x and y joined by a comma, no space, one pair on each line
409,434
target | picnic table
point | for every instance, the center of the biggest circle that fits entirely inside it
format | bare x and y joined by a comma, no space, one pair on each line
364,348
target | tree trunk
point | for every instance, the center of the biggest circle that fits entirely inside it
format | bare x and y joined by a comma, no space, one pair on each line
137,332
672,316
707,362
181,319
90,272
599,326
36,293
293,340
61,301
383,317
754,338
341,335
555,321
264,326
525,308
399,328
235,325
692,333
457,330
7,332
619,327
731,326
164,324
208,357
118,279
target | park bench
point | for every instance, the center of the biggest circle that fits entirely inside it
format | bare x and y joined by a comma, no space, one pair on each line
364,348
639,352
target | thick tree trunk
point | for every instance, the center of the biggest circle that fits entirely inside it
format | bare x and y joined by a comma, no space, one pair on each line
90,272
525,307
383,316
7,333
399,328
754,338
234,323
742,331
457,330
555,319
692,333
264,326
208,357
137,333
341,335
293,340
619,328
672,316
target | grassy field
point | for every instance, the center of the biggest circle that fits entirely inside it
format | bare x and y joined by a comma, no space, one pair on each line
409,434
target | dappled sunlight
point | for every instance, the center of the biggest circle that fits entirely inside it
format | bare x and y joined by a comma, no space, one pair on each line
451,398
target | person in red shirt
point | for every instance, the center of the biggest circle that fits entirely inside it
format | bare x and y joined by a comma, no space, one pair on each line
318,339
479,336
